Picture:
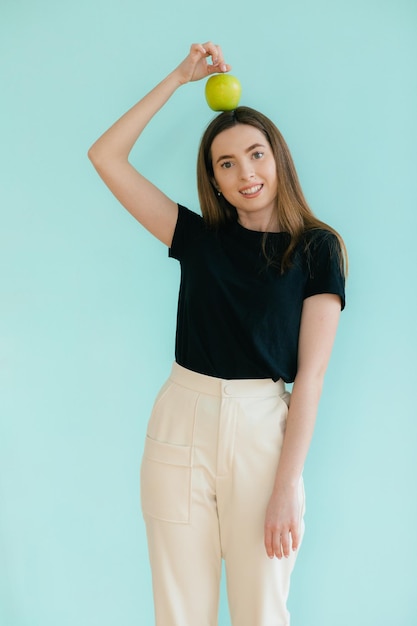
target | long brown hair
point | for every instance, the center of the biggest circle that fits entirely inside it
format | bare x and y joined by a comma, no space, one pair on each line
293,213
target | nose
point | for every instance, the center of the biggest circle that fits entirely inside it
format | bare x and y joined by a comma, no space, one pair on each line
246,171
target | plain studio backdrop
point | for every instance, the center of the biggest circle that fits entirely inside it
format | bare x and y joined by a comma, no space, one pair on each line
88,298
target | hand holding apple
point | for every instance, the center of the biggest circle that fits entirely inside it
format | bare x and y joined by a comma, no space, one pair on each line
196,64
223,92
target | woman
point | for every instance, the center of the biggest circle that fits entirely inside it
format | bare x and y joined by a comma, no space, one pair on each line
262,287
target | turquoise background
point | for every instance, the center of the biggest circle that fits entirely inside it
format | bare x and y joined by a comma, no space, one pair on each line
88,299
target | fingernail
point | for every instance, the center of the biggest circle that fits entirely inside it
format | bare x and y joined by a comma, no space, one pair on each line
223,68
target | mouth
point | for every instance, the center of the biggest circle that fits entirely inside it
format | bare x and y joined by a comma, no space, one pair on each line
250,192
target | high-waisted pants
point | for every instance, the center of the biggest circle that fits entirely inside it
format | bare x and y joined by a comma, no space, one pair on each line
207,474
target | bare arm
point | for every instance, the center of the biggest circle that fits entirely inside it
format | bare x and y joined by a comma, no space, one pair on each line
109,154
318,329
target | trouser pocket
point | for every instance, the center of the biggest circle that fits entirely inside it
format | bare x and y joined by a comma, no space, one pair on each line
166,481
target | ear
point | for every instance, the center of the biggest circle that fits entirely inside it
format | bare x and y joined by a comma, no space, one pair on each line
215,185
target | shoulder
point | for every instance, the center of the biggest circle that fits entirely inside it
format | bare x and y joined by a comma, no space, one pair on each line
188,218
319,245
189,227
318,237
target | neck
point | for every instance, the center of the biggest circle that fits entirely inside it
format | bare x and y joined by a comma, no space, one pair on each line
264,224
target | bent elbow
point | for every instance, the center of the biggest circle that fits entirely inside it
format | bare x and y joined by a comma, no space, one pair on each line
102,160
93,154
98,160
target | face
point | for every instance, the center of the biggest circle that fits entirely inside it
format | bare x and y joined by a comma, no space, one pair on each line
245,173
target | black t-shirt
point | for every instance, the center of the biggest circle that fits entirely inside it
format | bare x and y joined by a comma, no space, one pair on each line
239,317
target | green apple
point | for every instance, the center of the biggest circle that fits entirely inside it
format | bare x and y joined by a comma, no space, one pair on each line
223,92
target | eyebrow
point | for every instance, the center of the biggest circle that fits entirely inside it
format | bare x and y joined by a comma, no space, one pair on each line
230,156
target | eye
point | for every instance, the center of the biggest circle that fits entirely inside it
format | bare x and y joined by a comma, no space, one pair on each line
257,155
226,165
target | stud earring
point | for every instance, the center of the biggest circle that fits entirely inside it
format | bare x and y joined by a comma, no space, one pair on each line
219,193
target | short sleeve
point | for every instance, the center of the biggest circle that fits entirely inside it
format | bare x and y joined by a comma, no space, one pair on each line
189,227
325,271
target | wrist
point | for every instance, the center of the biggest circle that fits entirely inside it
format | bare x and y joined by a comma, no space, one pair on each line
173,79
286,483
178,78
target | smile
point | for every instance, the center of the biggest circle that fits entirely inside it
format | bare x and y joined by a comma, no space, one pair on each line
250,191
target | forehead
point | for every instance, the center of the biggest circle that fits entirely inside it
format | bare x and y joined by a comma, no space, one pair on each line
237,139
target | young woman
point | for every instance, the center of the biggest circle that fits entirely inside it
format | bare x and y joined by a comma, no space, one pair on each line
262,287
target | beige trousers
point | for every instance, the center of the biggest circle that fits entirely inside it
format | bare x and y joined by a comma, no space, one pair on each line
207,473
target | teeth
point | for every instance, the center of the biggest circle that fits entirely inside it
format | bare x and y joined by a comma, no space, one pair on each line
251,190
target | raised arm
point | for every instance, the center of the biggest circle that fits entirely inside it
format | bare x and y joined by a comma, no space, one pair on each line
110,153
319,321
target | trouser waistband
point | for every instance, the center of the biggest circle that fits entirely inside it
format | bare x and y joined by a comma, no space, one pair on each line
253,387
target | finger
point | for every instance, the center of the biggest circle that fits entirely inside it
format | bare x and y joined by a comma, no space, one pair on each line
277,545
219,69
268,544
285,544
218,64
211,51
295,538
221,63
198,49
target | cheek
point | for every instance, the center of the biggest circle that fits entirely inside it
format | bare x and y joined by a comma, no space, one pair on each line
272,175
225,180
